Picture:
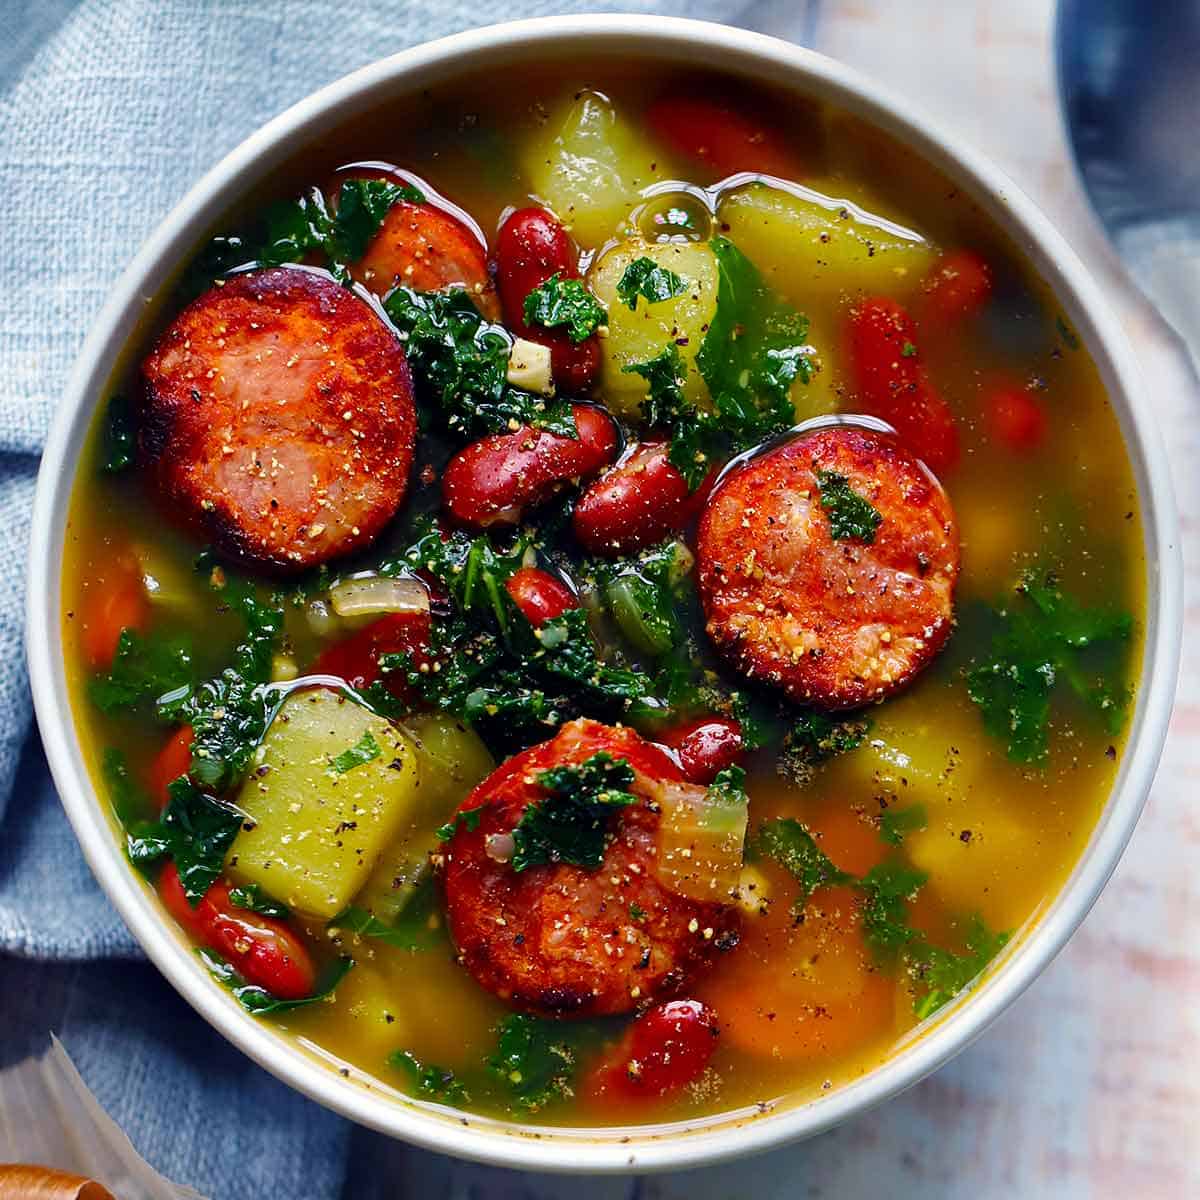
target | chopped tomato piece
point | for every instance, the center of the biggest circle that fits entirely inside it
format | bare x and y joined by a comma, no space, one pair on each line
356,660
1016,419
174,761
114,603
539,595
957,287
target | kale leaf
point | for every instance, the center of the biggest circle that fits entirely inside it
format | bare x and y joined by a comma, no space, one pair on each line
534,1060
466,818
815,737
943,974
895,824
889,886
462,362
429,1082
417,926
570,824
755,347
195,831
692,431
145,668
565,302
790,844
1047,638
361,208
644,277
258,1000
851,516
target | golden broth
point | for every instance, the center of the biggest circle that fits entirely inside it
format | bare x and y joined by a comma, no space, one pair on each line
1000,837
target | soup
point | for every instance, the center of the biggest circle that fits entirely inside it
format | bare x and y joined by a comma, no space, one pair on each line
606,604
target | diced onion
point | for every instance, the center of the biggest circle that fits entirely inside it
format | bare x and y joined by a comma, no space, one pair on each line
529,367
373,595
700,842
500,847
320,618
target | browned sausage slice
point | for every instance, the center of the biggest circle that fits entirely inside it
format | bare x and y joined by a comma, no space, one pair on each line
277,419
426,247
561,940
836,622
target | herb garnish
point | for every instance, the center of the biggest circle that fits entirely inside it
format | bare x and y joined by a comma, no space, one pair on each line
1047,638
895,824
465,818
644,277
851,516
565,302
570,824
364,751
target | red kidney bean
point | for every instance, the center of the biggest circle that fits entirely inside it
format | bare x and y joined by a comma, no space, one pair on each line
493,481
539,595
891,381
723,134
665,1049
636,504
957,286
263,950
705,746
531,247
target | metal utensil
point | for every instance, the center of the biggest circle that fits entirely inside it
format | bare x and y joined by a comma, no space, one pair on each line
1129,76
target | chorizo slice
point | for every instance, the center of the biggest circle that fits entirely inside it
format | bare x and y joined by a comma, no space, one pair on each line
426,247
276,419
835,621
561,940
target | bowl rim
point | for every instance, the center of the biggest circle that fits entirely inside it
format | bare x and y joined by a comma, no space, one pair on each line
790,67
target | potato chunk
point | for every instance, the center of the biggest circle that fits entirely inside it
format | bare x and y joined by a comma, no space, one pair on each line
807,248
333,786
638,336
589,168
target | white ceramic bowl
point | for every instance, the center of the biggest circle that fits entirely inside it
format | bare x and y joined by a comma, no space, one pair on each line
501,48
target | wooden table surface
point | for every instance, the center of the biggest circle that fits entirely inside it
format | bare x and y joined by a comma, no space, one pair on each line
1090,1085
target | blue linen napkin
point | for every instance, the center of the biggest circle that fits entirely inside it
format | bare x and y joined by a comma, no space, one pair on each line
109,110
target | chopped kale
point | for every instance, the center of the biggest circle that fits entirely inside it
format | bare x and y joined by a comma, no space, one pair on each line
294,230
145,668
429,1082
565,302
1047,639
118,448
790,844
251,897
692,431
417,927
822,737
938,974
467,819
364,751
729,787
895,824
889,887
362,206
258,1000
570,824
195,832
851,516
128,800
644,277
755,348
942,974
534,1060
461,362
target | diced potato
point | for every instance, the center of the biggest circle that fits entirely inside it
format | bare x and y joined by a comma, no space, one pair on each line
810,248
589,168
371,1013
636,337
319,831
451,760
